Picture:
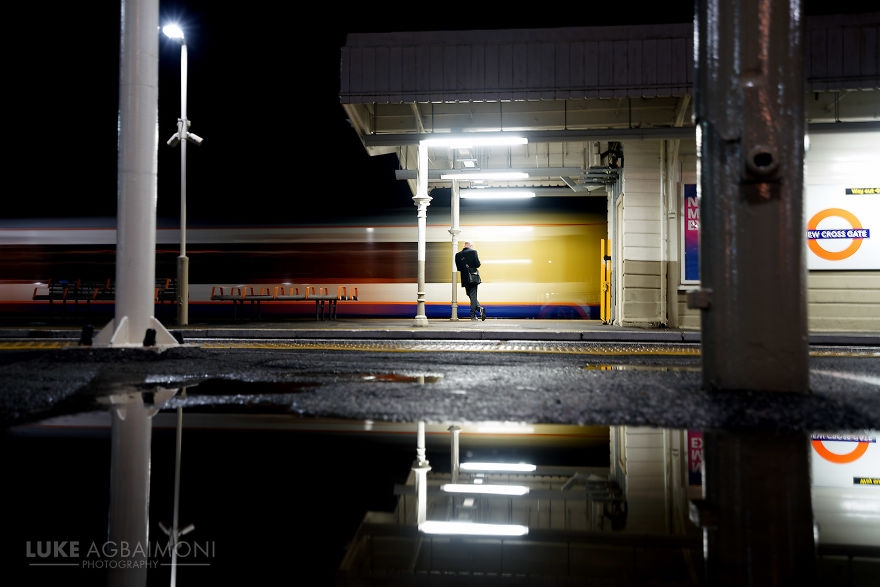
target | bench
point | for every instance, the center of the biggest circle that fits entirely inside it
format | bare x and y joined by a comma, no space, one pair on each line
54,291
105,291
241,294
166,291
63,291
325,302
254,296
75,291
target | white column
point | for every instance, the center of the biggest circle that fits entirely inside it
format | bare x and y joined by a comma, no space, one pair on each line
455,432
136,199
455,230
421,468
422,200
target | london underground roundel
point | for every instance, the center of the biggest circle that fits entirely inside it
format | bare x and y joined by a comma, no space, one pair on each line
854,233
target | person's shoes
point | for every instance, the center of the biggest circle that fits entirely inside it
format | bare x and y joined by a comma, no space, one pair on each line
474,318
482,313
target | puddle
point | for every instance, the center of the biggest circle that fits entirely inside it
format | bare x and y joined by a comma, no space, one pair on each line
367,500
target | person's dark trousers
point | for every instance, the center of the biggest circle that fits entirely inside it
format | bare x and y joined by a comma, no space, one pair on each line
475,303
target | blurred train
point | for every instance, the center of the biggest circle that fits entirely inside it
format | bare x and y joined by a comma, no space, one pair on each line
538,261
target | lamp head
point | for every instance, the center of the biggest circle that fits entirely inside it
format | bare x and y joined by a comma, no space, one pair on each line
173,31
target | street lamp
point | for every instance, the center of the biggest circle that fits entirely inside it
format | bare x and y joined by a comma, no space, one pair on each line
173,31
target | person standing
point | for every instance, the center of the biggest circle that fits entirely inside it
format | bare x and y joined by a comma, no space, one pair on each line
467,261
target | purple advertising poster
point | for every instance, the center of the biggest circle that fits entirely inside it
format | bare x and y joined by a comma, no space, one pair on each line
695,457
691,265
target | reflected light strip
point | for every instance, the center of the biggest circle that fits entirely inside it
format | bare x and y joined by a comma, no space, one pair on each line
506,467
472,529
485,489
504,428
485,175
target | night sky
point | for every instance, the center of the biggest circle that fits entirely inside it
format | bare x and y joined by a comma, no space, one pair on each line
263,93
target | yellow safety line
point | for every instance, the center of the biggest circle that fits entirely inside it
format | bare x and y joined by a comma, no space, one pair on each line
571,348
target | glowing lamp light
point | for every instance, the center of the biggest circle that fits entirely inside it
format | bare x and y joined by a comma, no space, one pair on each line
485,489
172,31
472,529
462,142
485,175
498,467
495,194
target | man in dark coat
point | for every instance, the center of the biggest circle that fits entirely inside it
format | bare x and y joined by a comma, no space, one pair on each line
467,261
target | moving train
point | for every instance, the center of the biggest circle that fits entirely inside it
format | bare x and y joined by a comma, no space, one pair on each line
540,259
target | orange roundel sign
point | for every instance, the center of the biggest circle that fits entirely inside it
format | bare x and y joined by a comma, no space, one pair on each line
814,245
851,456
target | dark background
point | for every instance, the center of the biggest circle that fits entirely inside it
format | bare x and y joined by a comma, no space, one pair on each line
263,93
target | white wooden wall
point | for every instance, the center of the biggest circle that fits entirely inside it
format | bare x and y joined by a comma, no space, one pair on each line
649,267
844,300
640,266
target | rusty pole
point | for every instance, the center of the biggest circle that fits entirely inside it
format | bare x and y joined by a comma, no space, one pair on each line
749,109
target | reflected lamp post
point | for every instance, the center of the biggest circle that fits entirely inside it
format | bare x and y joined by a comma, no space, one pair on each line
182,136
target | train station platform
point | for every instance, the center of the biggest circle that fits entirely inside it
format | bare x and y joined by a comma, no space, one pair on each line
441,329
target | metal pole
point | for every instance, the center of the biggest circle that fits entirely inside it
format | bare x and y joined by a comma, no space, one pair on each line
455,432
174,521
756,515
422,200
182,261
749,106
136,198
421,467
128,521
455,230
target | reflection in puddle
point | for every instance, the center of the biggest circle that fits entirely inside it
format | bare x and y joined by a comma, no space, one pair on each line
689,507
361,502
399,503
659,368
400,378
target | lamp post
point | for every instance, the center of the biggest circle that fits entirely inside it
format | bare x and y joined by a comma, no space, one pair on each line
173,31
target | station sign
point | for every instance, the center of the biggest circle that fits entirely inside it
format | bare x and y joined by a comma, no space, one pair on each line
842,224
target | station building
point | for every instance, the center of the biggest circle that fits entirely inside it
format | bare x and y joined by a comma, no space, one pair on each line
610,112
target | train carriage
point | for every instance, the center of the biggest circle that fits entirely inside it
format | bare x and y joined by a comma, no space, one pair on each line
539,261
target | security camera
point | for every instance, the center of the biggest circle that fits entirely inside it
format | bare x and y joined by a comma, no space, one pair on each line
194,138
172,142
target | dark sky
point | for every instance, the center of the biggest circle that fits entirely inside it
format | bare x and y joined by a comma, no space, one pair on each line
263,94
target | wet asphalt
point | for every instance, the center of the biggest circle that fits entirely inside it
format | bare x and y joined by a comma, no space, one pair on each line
540,371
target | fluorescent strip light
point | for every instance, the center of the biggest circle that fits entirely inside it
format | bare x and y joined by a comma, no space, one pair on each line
472,528
495,194
504,467
460,142
485,175
485,489
506,427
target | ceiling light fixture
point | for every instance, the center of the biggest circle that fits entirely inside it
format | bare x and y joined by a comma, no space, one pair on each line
459,141
495,194
472,528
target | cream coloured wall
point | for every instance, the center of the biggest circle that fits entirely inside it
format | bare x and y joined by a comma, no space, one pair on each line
844,300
